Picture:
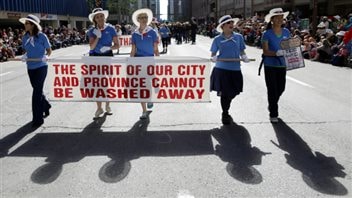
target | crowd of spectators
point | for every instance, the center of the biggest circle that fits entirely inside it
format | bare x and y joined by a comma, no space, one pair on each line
330,44
11,43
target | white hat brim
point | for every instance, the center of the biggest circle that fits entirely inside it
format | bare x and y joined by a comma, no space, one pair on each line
219,28
140,11
268,16
104,12
23,20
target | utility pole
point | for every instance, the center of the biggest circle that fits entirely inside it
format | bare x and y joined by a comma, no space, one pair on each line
244,9
119,12
315,13
216,10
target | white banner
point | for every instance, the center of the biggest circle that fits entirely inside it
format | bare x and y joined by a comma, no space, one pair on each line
294,58
138,79
293,54
45,16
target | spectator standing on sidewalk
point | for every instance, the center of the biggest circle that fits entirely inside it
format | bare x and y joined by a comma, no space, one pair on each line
101,36
144,42
35,43
226,77
274,62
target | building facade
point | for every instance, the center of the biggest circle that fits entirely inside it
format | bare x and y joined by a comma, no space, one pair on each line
213,9
154,5
73,14
179,10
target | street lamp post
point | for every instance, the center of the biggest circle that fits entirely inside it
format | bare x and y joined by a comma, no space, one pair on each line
244,9
216,9
315,13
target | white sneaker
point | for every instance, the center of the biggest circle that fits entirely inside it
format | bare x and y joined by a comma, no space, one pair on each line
98,113
144,116
108,110
274,119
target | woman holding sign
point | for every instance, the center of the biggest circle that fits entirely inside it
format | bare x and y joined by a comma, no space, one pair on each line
101,36
144,42
36,43
226,77
274,62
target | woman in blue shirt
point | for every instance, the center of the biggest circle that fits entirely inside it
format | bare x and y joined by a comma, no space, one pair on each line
101,37
35,43
144,42
274,62
226,77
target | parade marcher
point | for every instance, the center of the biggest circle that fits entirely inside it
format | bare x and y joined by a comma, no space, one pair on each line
119,34
226,77
101,37
194,28
165,34
274,62
144,42
35,43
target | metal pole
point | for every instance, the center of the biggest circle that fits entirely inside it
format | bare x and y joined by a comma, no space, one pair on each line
216,10
315,13
244,9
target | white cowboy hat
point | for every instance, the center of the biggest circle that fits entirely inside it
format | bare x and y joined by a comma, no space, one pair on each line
341,33
275,12
337,17
98,11
155,20
224,19
140,11
321,25
32,18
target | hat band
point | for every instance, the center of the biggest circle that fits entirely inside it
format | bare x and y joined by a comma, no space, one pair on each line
227,18
278,12
97,10
29,17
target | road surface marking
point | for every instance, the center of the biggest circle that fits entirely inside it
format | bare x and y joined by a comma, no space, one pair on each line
184,194
299,82
3,74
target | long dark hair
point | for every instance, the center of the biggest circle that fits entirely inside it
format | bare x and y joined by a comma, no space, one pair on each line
35,30
269,26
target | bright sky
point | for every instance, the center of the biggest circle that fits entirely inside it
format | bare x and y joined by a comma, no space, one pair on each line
163,9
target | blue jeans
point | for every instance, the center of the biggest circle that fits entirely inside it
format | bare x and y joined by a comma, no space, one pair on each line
39,102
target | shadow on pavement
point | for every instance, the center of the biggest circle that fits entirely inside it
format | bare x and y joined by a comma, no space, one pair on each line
318,170
235,148
60,148
12,139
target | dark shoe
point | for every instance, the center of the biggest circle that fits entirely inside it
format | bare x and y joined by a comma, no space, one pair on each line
37,124
144,116
226,119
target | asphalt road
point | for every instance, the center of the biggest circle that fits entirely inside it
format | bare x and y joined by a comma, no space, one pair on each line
183,150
